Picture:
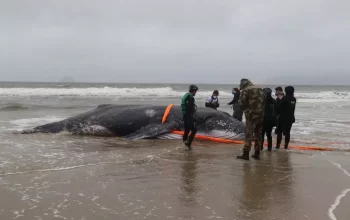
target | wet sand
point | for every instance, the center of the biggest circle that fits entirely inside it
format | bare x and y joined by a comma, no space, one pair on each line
77,178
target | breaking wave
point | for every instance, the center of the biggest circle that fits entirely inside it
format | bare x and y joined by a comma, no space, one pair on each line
20,107
165,92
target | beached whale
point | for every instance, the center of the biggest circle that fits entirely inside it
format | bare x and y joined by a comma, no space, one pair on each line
141,122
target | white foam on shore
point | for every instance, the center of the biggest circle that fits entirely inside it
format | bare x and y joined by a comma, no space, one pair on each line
336,203
166,92
56,169
340,196
340,167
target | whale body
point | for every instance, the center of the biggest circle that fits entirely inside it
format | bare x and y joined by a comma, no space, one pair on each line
145,121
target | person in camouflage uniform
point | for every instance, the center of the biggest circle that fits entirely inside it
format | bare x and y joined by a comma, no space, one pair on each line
252,101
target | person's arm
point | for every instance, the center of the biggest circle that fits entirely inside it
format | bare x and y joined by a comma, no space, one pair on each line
243,100
277,106
232,102
274,107
282,105
209,103
190,106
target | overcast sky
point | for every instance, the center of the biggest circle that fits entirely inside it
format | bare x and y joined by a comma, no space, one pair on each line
201,41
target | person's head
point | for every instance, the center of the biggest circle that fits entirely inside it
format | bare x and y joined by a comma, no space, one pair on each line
267,92
289,90
278,90
193,89
216,93
245,83
235,91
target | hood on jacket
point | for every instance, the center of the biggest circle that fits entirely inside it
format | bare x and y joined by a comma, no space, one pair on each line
245,83
267,92
289,91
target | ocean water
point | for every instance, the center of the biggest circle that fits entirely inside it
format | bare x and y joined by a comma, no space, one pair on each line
63,176
321,115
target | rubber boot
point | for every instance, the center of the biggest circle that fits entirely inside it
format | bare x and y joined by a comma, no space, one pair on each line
278,144
256,155
187,146
269,145
286,144
245,156
189,142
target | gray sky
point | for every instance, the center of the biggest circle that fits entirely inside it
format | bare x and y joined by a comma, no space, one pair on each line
202,41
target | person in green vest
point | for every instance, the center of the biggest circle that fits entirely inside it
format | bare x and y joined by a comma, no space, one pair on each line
188,108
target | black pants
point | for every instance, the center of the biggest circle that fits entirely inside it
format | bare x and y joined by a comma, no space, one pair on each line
237,117
285,130
189,125
267,129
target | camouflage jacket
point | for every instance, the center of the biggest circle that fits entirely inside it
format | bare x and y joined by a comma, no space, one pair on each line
252,100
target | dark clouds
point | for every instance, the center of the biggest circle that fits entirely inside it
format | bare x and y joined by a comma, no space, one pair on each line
175,41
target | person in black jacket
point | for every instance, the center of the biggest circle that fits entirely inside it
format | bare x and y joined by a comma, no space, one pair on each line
286,111
270,119
279,95
237,111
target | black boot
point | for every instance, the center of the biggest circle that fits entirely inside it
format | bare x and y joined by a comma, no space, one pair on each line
187,145
245,156
256,155
286,146
269,145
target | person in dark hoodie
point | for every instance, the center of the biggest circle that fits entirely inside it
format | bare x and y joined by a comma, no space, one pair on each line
286,110
279,95
237,111
270,119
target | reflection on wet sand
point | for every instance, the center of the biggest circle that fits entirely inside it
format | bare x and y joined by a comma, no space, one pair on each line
189,187
264,184
158,180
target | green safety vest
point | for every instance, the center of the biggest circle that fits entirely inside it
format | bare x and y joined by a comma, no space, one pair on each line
183,102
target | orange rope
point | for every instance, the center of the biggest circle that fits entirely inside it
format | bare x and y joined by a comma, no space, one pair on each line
221,140
228,141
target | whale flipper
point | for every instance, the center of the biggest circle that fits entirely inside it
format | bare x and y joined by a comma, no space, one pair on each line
152,131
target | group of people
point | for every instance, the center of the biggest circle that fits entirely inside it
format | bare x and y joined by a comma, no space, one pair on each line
262,113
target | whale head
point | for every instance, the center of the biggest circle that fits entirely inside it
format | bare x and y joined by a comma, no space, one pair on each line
218,124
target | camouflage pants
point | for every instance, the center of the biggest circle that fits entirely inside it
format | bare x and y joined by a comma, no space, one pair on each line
253,132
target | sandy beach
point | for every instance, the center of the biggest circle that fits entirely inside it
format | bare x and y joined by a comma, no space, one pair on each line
97,178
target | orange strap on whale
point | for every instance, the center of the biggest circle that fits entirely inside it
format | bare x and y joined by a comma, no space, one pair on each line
228,141
166,113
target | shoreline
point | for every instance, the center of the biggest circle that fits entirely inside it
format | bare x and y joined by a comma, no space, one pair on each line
162,181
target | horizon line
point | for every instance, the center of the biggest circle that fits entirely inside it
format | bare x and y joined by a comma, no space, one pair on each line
176,83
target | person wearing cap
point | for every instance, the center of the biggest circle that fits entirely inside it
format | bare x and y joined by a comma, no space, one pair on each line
188,108
237,111
252,102
270,119
213,100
